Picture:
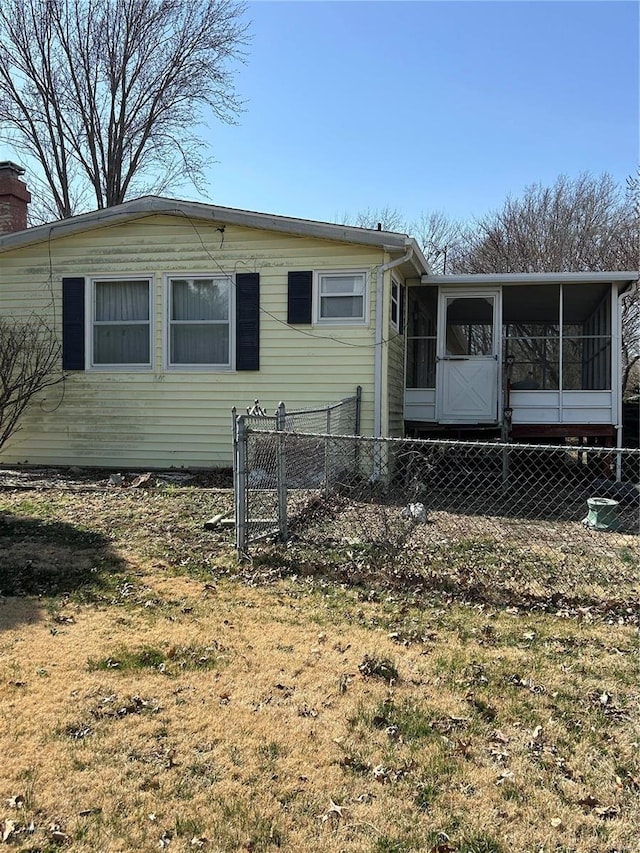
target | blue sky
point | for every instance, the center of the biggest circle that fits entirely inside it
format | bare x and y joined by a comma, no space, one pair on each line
426,106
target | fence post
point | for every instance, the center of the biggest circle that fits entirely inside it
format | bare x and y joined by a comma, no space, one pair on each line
326,454
356,428
234,442
281,470
240,486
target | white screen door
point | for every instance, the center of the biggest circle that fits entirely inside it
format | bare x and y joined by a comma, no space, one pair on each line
467,370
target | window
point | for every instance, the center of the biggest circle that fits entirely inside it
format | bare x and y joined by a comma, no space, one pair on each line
341,298
396,309
469,326
120,322
574,355
395,304
200,312
421,337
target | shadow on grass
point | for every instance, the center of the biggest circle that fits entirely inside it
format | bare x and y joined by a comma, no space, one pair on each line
51,558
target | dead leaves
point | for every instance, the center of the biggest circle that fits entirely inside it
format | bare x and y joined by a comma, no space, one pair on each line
527,683
54,830
334,813
111,707
10,827
10,830
505,775
588,802
606,812
383,668
57,835
7,829
605,703
132,481
500,737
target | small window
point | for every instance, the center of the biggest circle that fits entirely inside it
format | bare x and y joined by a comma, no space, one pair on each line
120,323
395,305
200,310
341,297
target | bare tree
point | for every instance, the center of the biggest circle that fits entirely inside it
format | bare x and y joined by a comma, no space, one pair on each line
107,96
29,362
577,225
382,218
440,238
581,224
435,232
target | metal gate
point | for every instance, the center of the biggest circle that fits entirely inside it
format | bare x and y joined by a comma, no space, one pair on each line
260,476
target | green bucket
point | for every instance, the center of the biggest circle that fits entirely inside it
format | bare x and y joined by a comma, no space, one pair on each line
602,515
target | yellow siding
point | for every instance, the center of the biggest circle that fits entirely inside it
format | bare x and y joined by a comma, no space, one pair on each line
395,371
178,417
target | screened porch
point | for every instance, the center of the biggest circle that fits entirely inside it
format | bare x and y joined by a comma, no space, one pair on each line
545,352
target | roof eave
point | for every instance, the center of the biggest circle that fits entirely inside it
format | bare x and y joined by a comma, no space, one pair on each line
154,205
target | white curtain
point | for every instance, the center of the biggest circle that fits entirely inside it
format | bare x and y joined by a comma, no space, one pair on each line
121,330
200,328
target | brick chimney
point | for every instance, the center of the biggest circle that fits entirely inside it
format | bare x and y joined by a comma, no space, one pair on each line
14,198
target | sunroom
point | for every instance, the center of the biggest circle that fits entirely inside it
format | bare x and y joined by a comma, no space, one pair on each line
523,355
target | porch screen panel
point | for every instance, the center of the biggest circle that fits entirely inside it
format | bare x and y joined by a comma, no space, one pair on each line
422,309
586,338
531,335
421,363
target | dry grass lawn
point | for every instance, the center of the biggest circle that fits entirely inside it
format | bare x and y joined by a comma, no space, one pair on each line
152,696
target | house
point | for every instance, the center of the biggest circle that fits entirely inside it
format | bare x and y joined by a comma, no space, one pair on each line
172,312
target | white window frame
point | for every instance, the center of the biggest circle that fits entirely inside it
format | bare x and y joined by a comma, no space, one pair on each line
318,275
90,322
217,368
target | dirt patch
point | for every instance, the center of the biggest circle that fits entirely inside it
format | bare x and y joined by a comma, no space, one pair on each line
77,479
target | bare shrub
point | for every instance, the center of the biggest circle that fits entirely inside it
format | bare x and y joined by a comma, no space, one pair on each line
29,362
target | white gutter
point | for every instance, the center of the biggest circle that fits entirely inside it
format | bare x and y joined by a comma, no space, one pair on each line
377,376
532,278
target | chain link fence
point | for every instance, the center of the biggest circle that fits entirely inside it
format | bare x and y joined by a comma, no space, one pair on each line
264,471
495,522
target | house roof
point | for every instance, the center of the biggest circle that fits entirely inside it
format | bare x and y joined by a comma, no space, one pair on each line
391,241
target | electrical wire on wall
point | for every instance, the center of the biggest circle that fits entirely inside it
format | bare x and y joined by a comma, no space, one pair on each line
256,267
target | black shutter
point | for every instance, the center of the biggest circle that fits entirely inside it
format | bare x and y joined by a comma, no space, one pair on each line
402,295
248,321
299,297
73,324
